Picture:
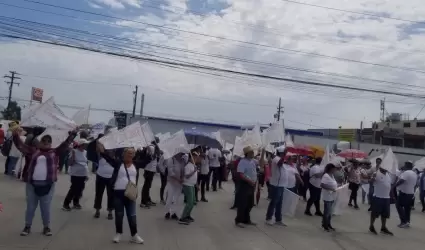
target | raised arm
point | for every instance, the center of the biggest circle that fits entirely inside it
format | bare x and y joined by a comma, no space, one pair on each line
65,144
20,145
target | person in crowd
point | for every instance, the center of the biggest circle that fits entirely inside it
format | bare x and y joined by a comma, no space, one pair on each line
214,155
339,174
40,177
366,172
418,176
235,179
189,181
278,181
152,153
64,160
329,186
79,174
103,181
14,156
174,183
203,175
381,203
422,189
123,177
2,135
353,173
293,177
406,185
304,173
247,178
378,162
163,173
315,173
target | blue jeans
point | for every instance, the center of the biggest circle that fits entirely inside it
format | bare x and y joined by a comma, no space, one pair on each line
32,203
275,204
327,213
121,203
11,165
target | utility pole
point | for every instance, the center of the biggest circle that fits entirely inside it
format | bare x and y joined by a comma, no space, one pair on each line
383,110
142,104
12,82
279,110
135,101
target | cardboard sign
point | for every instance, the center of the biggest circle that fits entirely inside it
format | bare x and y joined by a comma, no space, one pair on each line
130,136
176,143
289,203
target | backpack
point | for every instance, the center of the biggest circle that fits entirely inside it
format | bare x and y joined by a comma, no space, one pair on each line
7,146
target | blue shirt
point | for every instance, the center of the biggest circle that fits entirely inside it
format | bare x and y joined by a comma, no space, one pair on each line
248,168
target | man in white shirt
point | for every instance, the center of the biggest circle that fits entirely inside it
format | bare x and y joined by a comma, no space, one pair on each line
406,186
316,173
214,156
381,180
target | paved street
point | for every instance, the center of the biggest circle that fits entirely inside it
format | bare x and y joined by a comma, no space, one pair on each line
213,229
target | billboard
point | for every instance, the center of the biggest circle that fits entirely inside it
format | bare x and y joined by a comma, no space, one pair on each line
37,94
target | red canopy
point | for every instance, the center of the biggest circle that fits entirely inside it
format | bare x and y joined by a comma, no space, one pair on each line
300,150
352,153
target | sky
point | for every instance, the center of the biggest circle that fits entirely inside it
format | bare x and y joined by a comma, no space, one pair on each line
269,37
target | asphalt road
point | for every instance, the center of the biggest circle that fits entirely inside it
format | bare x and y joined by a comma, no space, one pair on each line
213,230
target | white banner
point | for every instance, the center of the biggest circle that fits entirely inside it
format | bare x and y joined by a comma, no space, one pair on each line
130,136
176,143
390,162
341,201
98,128
147,133
82,116
289,203
275,133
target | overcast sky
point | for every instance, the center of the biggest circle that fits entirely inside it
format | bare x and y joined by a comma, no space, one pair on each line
277,25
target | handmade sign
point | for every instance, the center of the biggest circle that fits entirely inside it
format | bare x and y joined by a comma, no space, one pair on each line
130,136
341,201
176,143
289,203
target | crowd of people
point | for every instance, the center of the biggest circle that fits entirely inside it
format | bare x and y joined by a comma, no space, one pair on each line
190,172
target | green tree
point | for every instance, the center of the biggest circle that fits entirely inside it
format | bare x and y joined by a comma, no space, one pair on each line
13,112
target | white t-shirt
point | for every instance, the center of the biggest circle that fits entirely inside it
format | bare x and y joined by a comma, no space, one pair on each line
382,185
151,166
191,181
290,175
278,174
205,167
14,152
214,157
40,169
104,169
315,181
328,195
410,179
79,168
122,179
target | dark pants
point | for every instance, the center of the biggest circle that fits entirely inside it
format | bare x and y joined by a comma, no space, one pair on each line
163,184
146,198
370,194
78,183
422,198
269,190
302,189
216,177
235,182
327,214
404,207
354,187
94,167
209,179
203,182
314,198
121,203
244,202
275,204
5,165
103,183
63,161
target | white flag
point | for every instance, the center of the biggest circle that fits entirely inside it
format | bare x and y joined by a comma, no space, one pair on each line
176,143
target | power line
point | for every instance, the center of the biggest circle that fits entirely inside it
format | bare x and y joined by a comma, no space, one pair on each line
227,39
350,11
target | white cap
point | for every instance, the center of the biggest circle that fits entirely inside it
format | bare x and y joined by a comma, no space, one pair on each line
82,142
280,149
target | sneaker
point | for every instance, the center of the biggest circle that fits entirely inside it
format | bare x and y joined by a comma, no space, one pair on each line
386,231
117,238
184,222
331,228
167,216
77,206
373,230
137,239
403,225
66,208
204,200
26,231
162,202
151,204
190,219
174,217
251,223
97,214
280,223
240,225
350,205
326,229
47,231
318,214
143,205
308,213
110,216
269,222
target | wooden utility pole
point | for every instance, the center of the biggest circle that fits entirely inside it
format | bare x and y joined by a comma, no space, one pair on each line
12,82
135,101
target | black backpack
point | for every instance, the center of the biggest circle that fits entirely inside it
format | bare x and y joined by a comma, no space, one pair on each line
7,146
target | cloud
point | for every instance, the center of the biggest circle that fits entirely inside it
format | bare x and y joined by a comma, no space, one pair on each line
272,23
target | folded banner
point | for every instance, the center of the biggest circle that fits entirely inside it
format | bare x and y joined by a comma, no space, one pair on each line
341,201
176,143
134,135
98,128
289,203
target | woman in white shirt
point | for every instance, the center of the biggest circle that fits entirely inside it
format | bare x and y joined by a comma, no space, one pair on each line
189,181
103,181
124,173
328,185
79,173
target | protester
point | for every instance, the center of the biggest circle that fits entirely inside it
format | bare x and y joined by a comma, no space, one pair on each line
278,181
103,181
14,156
214,156
189,181
406,185
41,177
174,183
354,183
203,176
422,190
316,173
381,181
235,179
150,169
247,178
378,162
293,178
328,185
124,178
79,174
163,172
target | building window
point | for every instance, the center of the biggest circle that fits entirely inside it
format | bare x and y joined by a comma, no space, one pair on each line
406,125
420,124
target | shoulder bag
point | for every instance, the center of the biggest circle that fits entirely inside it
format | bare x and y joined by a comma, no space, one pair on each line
131,191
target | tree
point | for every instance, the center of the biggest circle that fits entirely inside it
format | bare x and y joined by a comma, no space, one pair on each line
12,112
